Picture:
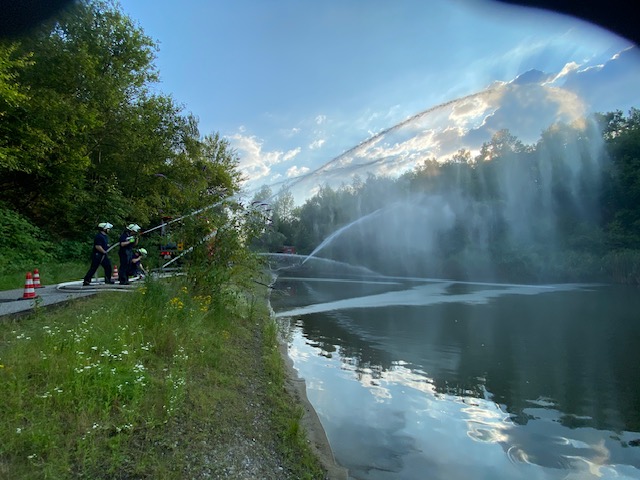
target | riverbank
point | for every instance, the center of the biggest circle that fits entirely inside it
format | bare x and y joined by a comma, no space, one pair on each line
155,384
296,387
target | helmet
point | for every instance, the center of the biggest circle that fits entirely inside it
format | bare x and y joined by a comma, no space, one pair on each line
105,226
134,227
143,251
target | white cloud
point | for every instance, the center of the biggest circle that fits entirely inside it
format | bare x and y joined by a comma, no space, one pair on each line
296,171
320,119
317,143
291,154
292,132
255,163
566,70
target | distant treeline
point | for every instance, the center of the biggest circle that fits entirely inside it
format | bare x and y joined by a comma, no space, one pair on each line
564,209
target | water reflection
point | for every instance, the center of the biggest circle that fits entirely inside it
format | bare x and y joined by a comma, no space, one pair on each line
470,381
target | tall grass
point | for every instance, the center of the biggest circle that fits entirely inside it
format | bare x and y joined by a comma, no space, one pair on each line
97,389
74,387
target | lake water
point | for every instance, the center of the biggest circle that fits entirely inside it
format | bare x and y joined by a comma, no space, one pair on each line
424,379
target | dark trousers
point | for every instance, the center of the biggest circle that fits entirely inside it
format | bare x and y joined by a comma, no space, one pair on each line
123,270
98,259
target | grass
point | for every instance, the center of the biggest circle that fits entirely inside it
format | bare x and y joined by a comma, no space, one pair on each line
144,385
50,273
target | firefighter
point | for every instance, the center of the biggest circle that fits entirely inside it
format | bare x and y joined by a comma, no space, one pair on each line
135,266
99,254
128,240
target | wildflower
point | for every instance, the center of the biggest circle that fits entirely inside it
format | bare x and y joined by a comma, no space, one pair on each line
126,426
18,430
176,303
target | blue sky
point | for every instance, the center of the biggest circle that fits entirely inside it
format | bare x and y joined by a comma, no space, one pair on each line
292,84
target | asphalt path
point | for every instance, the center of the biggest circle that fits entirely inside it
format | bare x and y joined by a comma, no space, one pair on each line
12,302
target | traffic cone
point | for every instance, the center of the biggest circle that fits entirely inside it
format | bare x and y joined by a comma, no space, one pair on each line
114,275
29,291
36,279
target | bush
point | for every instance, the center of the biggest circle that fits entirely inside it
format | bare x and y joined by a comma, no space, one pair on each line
23,244
623,266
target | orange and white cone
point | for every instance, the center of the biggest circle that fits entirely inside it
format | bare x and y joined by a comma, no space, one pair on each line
114,275
36,279
29,291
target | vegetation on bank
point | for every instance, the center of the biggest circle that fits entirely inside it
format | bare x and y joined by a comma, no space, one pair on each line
151,384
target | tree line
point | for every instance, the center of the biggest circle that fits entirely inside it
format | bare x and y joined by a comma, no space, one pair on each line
566,208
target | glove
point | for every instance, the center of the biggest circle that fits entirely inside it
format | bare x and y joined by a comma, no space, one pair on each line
131,239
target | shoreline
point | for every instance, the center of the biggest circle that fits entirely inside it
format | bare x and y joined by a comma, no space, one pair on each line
296,386
316,435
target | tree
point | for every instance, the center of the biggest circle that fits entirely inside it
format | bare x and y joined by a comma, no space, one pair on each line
86,138
502,144
13,95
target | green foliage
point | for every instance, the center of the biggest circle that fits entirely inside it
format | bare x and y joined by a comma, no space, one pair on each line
623,266
23,244
26,247
102,389
83,139
585,212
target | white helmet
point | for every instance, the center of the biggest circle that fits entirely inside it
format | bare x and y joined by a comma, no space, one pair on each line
143,251
134,227
105,226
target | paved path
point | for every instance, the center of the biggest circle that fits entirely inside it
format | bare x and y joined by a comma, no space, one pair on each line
12,301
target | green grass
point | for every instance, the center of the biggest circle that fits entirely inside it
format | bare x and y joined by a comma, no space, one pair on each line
50,273
135,385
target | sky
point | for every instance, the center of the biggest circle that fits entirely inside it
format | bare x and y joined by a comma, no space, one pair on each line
295,85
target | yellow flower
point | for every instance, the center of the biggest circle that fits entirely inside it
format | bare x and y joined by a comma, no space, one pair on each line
204,301
176,303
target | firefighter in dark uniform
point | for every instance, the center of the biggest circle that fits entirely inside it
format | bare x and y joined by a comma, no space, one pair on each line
99,254
135,267
128,240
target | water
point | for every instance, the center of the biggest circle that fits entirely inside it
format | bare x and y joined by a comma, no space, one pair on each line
330,238
428,379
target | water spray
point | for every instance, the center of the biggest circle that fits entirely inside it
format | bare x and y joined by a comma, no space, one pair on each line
339,231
